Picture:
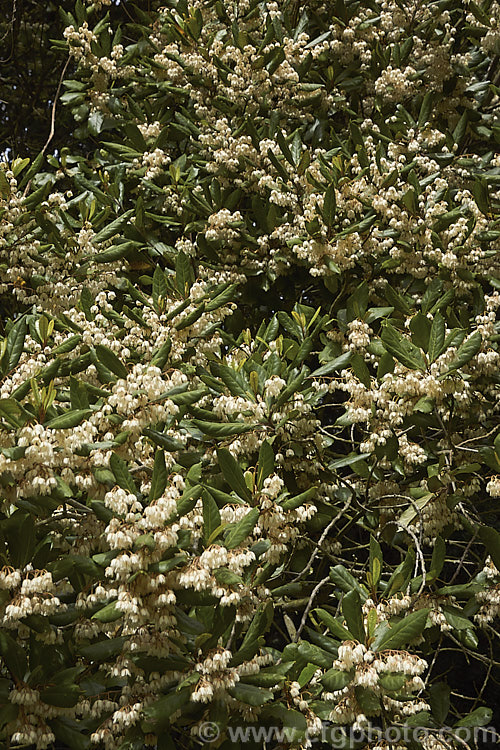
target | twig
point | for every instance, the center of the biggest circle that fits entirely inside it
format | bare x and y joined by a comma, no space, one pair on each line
77,505
473,654
231,636
461,561
10,28
437,651
488,672
420,556
54,105
308,607
479,437
320,541
52,120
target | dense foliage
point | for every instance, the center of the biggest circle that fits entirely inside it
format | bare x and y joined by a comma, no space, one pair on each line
249,436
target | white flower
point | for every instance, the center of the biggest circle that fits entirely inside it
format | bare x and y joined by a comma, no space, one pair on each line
273,386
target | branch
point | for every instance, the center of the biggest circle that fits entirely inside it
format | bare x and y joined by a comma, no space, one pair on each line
54,105
308,607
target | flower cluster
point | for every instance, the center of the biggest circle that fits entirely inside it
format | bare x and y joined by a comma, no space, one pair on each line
248,368
367,670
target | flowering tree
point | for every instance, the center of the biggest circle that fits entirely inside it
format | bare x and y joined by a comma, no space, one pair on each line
249,399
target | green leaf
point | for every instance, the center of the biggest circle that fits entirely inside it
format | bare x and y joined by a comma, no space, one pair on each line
68,419
424,405
304,162
103,650
159,478
358,302
468,637
158,713
164,566
291,389
183,273
13,656
68,345
491,539
227,577
443,302
211,515
78,394
9,711
242,529
285,149
233,474
329,206
222,429
425,109
339,363
109,613
188,500
397,300
333,625
439,701
335,679
235,382
115,252
35,168
436,337
464,590
122,474
401,575
144,541
265,465
391,179
413,510
461,127
113,227
250,694
401,348
263,679
160,356
96,122
349,460
13,412
376,560
15,345
360,369
159,289
346,581
309,652
111,361
351,609
482,196
260,624
69,734
228,295
293,502
165,441
392,681
466,351
480,717
22,540
438,557
63,696
420,328
294,722
455,618
374,313
277,165
395,636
